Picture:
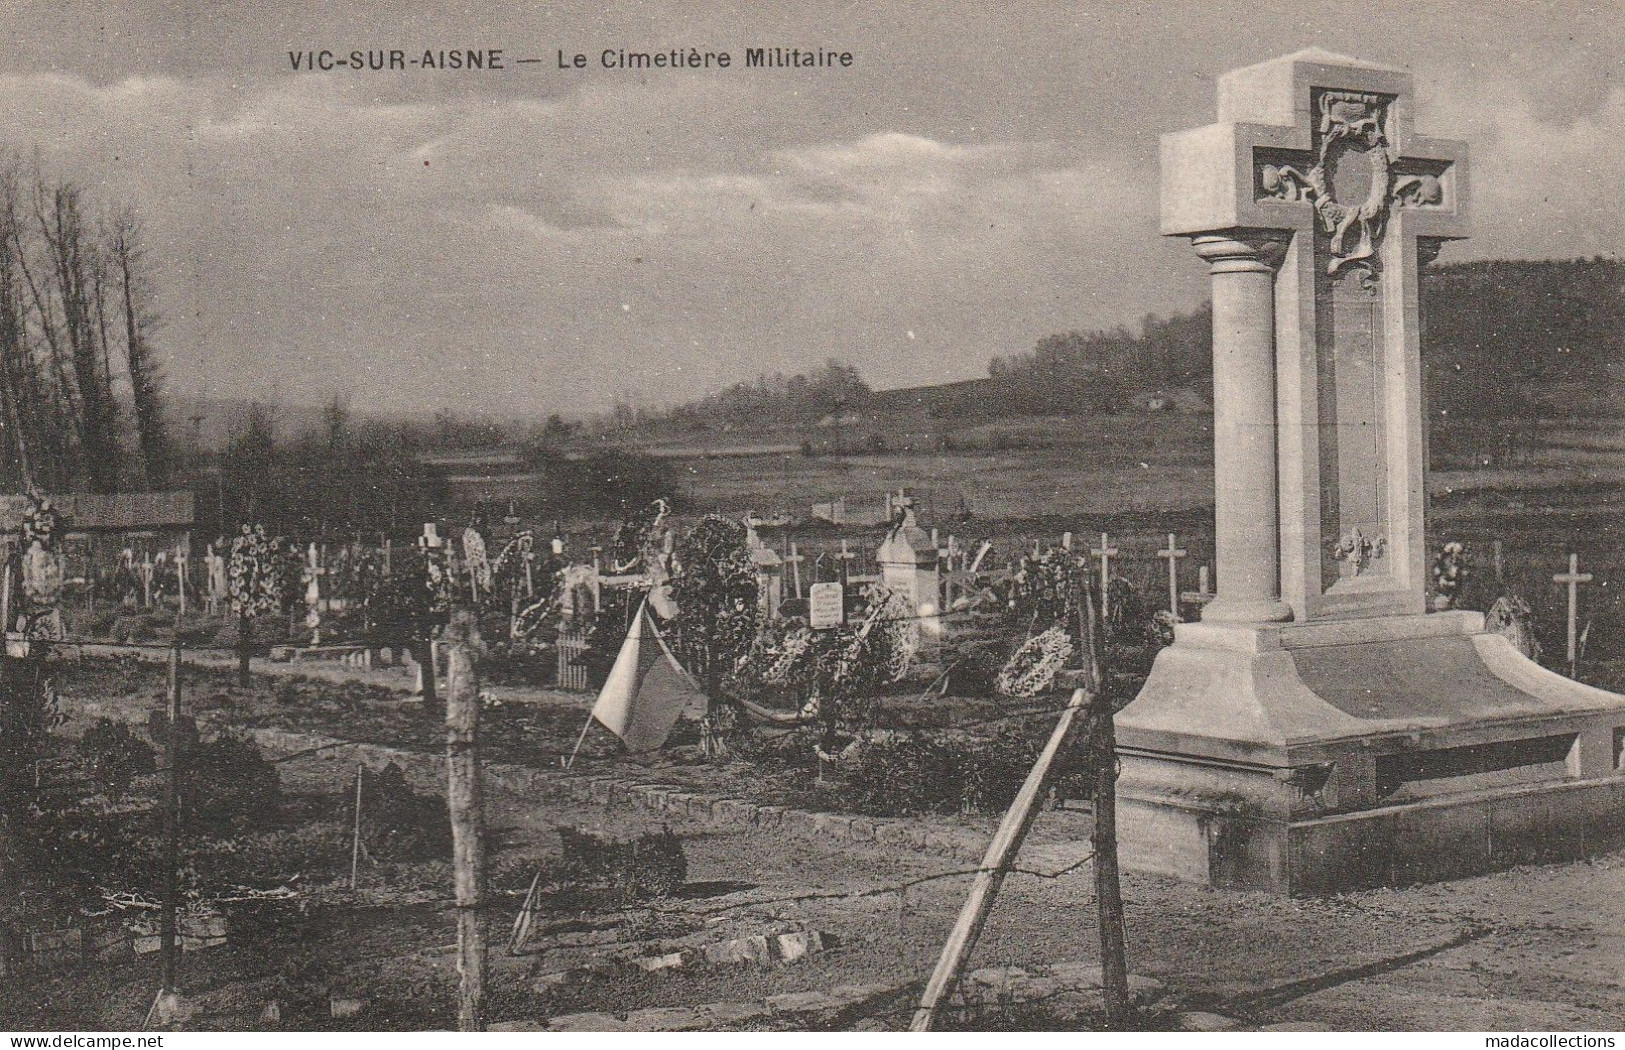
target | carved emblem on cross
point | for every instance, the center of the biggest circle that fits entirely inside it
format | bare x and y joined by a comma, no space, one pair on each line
1352,123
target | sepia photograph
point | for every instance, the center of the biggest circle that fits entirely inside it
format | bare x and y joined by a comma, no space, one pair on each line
699,516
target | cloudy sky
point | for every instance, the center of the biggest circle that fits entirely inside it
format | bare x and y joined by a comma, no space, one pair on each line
540,239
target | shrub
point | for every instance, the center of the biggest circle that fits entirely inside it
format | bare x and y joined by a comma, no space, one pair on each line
398,823
113,757
226,785
647,867
948,772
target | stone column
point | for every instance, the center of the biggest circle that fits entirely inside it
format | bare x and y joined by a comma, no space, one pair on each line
1246,510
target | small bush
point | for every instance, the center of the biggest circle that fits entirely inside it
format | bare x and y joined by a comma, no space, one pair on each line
226,785
398,823
113,757
948,772
647,867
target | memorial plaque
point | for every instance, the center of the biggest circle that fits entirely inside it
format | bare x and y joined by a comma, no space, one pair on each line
826,605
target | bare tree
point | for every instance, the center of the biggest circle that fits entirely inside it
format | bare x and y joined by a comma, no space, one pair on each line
141,319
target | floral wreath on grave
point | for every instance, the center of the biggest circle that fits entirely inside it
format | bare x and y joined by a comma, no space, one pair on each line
1031,670
638,540
1449,572
713,583
42,522
254,574
1050,588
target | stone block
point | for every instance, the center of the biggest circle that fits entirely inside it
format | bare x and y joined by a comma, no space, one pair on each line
589,1022
789,947
892,833
667,1019
754,949
836,826
721,1014
699,808
769,816
1201,1021
805,1003
669,961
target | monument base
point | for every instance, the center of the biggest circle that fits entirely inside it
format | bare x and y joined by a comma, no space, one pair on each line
1316,758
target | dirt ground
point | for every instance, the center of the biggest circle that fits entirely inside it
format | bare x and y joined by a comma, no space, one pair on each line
1528,948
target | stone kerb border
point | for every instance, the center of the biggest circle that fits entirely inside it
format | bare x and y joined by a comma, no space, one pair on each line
665,800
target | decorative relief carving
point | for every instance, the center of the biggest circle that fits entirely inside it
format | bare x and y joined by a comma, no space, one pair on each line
1352,124
1359,550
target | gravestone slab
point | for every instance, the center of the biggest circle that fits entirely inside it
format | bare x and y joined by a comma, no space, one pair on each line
1319,731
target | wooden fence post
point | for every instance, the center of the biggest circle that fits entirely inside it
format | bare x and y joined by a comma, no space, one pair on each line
172,831
1001,854
464,798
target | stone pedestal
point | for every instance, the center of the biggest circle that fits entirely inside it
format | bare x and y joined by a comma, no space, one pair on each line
1322,757
1317,731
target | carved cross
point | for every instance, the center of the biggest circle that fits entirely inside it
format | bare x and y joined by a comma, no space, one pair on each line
1315,203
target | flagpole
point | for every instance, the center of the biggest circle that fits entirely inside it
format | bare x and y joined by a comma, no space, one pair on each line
579,741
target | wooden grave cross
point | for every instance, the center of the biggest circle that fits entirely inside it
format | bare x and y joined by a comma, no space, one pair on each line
1105,552
846,557
794,560
1573,578
1173,552
146,581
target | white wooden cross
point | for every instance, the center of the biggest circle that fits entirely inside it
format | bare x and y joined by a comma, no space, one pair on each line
1105,552
146,581
1574,577
180,577
794,560
1173,552
846,557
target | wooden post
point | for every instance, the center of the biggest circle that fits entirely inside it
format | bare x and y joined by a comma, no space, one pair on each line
1001,853
172,831
1108,883
245,643
355,840
464,799
1574,577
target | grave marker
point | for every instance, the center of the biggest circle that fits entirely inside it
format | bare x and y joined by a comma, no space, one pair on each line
1105,552
826,605
1173,552
1573,578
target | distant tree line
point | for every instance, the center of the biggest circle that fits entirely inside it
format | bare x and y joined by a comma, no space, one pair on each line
806,397
81,391
352,475
1493,332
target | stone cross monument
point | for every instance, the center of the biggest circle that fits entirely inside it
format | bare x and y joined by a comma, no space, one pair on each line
1288,740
